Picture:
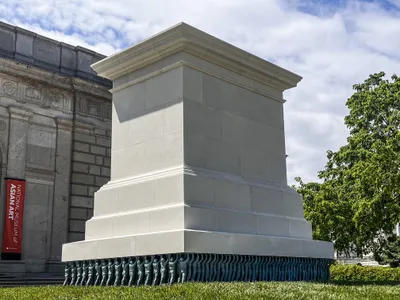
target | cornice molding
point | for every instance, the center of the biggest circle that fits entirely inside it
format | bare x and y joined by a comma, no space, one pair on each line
20,113
185,38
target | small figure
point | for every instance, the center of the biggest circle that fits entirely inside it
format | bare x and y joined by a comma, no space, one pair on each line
190,267
195,267
172,268
156,271
201,267
229,268
125,272
117,272
84,273
148,270
207,268
183,268
67,273
103,272
78,273
97,268
90,273
163,269
214,266
110,272
140,271
73,274
132,270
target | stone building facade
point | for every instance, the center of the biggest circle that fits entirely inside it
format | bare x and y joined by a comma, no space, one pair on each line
55,124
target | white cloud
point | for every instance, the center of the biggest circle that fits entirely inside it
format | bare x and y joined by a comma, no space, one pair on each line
333,49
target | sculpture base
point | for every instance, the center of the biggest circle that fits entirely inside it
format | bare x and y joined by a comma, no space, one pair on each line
195,267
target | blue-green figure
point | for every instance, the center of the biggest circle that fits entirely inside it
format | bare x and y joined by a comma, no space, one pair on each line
73,274
148,270
117,272
164,268
103,272
78,273
110,275
183,268
172,268
196,268
132,267
140,271
156,271
97,270
125,272
84,273
67,273
190,267
214,267
207,268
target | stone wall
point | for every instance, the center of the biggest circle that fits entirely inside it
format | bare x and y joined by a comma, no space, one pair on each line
55,122
90,170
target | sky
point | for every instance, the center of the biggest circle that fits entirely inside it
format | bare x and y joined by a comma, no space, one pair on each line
332,44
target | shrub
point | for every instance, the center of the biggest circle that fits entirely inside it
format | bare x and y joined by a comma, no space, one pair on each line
360,273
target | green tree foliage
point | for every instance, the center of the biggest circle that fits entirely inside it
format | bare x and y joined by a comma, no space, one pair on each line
358,201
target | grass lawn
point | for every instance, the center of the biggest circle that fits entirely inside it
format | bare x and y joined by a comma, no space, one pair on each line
268,290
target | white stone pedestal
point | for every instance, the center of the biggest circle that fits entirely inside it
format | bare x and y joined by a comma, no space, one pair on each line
198,156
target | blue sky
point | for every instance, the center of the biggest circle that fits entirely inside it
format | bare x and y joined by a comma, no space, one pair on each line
331,44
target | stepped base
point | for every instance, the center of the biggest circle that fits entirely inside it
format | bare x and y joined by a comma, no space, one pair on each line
196,256
194,241
194,267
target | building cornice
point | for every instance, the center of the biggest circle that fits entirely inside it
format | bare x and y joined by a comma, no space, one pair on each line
185,38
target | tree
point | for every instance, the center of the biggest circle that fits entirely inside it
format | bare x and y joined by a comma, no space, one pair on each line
358,201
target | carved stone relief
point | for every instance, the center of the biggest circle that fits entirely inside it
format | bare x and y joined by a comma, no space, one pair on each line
94,107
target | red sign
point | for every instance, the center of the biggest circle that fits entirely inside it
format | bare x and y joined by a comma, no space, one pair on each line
12,235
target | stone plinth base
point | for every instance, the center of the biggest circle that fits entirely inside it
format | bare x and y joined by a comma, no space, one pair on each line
194,241
194,267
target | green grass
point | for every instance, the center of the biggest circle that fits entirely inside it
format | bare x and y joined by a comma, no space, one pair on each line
269,290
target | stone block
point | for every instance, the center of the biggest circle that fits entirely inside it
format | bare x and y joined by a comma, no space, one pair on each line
237,222
222,156
75,236
92,190
198,190
78,201
83,179
77,226
219,94
197,218
7,38
97,150
84,157
79,190
136,106
99,160
82,147
80,167
166,219
143,194
164,88
100,181
99,131
68,57
105,171
169,190
95,170
84,60
268,200
192,84
173,118
47,51
78,213
85,138
203,120
232,195
105,142
24,44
